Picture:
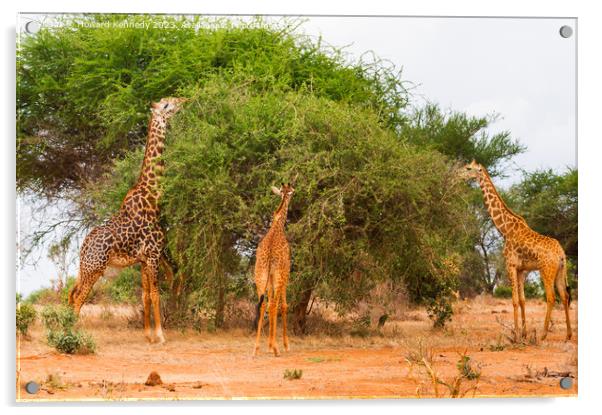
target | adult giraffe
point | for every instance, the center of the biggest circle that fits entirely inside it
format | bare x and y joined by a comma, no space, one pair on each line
525,250
134,234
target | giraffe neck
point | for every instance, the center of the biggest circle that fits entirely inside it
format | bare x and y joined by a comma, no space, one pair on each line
506,221
152,166
281,213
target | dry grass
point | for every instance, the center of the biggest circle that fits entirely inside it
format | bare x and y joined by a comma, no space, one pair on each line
465,381
404,357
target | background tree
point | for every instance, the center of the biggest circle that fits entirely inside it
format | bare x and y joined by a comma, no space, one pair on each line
548,201
58,253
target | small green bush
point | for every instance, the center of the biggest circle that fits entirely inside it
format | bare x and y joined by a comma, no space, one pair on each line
292,374
58,318
72,342
43,296
466,368
61,333
125,287
440,311
502,291
26,315
532,290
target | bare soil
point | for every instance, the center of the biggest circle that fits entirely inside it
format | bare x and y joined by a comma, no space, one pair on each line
385,364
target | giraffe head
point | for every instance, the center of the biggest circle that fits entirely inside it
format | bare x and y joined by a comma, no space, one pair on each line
167,107
471,171
285,191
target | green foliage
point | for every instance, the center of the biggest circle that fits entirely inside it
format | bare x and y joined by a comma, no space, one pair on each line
83,92
367,206
72,342
293,374
466,368
125,288
58,318
548,202
502,291
440,311
61,333
26,315
46,295
532,289
42,295
462,137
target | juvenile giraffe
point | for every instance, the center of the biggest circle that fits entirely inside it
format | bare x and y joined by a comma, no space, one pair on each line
272,268
134,234
525,250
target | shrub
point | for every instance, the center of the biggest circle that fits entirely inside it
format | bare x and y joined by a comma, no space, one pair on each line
502,291
466,369
532,290
125,287
72,342
440,311
292,374
61,333
43,296
26,315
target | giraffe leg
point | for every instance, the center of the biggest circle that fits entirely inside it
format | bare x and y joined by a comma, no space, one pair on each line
512,276
81,289
146,301
93,260
264,295
521,277
273,313
150,268
283,311
548,280
261,312
564,294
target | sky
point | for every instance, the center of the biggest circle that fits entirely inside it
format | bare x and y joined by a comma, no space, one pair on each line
520,69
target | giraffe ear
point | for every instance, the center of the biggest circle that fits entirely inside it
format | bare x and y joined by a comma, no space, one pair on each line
276,191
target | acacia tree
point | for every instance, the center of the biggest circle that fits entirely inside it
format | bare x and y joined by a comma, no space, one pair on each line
368,207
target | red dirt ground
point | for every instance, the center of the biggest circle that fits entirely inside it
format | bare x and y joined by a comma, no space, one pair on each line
220,365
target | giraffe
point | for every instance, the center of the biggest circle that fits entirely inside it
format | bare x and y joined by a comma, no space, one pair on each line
524,251
272,268
134,234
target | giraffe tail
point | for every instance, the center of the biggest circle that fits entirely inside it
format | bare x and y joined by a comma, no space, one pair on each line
258,310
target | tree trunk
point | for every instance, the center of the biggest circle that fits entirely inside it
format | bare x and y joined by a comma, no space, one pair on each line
221,304
300,311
